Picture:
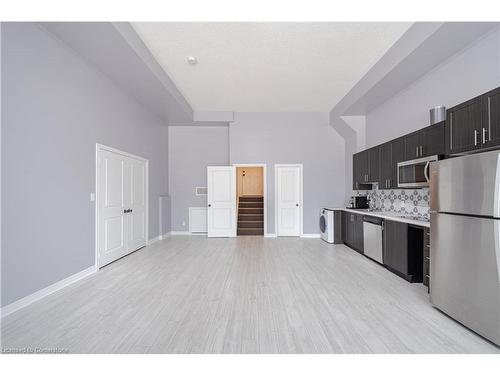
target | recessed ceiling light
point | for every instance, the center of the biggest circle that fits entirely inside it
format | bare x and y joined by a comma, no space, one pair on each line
192,60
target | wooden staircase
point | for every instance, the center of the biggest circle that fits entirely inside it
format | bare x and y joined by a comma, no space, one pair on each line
251,216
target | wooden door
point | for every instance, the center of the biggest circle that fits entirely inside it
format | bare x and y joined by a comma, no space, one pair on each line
250,181
221,201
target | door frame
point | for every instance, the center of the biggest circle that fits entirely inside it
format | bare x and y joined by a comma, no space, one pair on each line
98,148
301,196
264,187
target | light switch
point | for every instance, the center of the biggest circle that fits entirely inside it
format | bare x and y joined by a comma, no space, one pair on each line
92,197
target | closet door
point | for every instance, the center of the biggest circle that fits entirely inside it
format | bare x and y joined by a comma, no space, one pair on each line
112,226
122,205
135,201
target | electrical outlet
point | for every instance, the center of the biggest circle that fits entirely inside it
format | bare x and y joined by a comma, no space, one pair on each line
183,223
92,197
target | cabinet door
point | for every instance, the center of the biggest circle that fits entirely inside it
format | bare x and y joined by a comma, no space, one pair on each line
344,227
396,246
413,144
490,131
359,240
398,155
463,126
351,228
433,140
385,177
373,164
359,170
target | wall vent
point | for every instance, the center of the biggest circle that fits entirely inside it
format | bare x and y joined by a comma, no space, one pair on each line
201,190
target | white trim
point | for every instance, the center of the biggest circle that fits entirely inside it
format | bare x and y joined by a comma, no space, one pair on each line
310,235
185,233
264,190
270,235
38,295
100,147
301,203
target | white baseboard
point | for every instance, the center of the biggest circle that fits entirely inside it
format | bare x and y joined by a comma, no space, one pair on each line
186,233
28,300
270,235
311,235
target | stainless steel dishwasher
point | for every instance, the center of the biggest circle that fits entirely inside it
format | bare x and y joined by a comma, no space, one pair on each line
372,236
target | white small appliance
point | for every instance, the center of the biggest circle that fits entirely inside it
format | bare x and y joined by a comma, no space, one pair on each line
327,225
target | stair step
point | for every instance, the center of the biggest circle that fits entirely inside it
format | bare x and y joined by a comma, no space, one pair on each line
252,210
250,231
250,224
251,199
250,217
251,204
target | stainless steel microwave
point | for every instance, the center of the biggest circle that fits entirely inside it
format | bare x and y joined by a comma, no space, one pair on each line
415,173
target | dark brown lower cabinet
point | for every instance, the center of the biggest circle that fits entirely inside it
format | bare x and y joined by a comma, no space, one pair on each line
427,259
402,246
352,230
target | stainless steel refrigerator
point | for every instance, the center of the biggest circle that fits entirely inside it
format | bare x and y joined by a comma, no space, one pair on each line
465,241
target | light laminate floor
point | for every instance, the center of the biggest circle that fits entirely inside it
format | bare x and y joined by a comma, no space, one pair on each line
191,294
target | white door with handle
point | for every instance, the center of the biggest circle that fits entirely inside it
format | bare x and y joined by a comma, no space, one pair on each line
221,201
121,204
288,180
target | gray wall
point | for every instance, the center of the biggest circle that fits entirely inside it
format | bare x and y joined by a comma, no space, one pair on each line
191,149
55,108
471,72
303,137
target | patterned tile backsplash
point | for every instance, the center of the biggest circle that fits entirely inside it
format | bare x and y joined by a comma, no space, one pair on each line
408,201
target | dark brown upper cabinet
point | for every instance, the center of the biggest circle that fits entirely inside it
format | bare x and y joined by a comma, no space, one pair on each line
426,142
463,127
373,164
413,145
360,171
385,168
398,155
490,131
433,140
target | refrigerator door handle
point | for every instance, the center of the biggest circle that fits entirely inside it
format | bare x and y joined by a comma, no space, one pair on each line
497,247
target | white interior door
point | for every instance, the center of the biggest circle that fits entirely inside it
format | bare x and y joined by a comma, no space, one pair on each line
136,202
121,205
288,200
221,201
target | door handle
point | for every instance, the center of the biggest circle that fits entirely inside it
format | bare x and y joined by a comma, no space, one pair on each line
426,171
296,204
209,205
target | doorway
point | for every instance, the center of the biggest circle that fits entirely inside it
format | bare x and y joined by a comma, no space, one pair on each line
121,204
288,200
251,199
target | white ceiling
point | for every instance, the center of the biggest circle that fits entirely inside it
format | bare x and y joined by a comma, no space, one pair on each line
267,67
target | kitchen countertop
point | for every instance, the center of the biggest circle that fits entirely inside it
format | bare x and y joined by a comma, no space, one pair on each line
394,216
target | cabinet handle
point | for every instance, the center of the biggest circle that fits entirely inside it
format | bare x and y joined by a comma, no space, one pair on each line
484,136
475,137
416,151
421,150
